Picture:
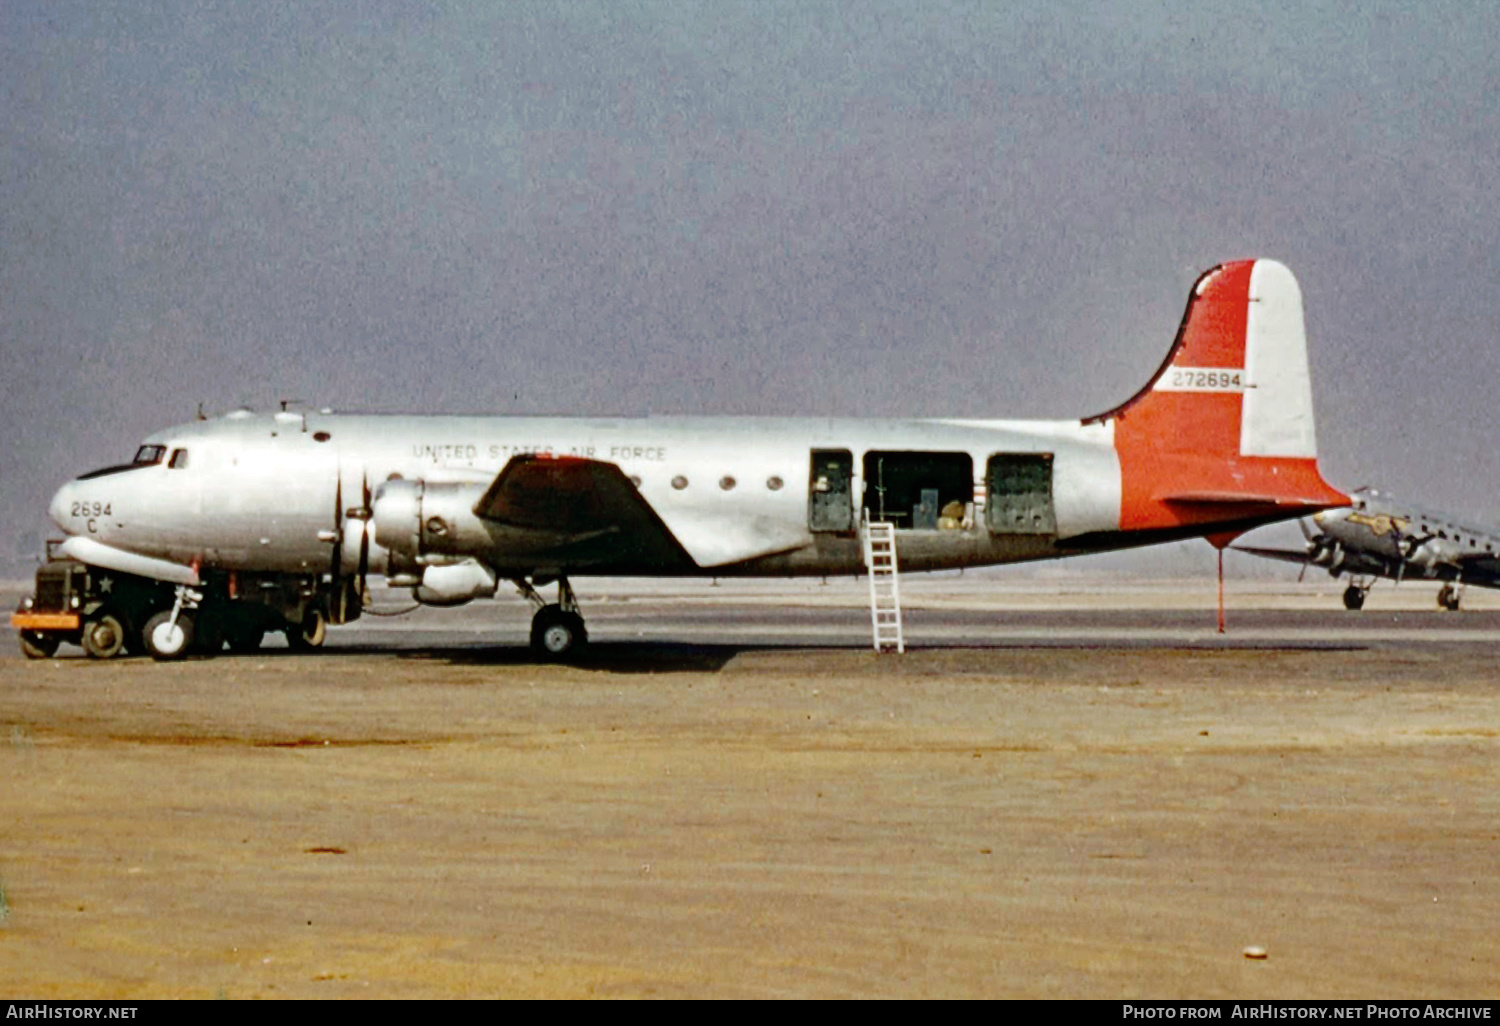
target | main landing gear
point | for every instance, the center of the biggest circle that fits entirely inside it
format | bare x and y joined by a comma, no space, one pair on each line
201,624
1448,595
557,630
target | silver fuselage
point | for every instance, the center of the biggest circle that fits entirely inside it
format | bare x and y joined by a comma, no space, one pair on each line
1385,537
273,492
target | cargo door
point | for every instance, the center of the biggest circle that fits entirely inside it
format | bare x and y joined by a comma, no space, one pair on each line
1019,493
830,492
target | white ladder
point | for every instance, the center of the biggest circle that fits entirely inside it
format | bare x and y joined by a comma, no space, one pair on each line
885,589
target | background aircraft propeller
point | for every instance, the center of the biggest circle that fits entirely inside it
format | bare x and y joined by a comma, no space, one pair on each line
1321,551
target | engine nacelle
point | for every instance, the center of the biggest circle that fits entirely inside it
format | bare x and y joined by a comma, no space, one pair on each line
1435,551
453,584
1326,553
414,520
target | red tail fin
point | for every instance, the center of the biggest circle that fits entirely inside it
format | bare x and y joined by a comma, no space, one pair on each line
1224,431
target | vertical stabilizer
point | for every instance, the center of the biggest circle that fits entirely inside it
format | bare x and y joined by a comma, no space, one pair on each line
1224,432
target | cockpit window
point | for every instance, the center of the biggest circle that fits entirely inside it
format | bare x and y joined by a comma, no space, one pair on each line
178,460
145,456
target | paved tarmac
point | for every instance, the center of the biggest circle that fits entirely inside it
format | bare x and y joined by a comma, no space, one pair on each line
1062,790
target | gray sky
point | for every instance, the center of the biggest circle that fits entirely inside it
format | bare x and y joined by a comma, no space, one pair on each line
872,208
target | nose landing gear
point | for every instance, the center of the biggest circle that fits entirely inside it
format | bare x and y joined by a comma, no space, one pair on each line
557,629
169,634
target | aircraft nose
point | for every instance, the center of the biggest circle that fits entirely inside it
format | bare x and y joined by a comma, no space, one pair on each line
58,511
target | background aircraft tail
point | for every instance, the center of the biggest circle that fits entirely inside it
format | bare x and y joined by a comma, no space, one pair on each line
1224,432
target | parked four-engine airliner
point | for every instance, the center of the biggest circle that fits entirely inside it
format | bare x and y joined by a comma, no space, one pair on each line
227,528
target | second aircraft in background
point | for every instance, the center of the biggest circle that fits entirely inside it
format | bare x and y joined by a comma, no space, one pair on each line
1379,537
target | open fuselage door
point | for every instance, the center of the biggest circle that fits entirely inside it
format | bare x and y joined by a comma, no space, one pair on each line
830,500
1018,492
919,490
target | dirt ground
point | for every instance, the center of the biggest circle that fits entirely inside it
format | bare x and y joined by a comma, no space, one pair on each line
680,820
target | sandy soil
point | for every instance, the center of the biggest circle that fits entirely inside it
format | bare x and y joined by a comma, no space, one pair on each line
703,821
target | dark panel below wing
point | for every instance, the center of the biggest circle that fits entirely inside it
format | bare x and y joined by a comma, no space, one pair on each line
596,514
1482,569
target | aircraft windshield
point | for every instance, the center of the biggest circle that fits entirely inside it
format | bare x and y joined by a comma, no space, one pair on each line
145,456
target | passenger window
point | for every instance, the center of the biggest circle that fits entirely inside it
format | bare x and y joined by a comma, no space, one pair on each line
178,460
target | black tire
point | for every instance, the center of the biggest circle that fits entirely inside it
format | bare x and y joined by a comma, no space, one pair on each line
244,638
1353,598
135,644
165,644
1448,598
558,635
103,636
36,645
310,633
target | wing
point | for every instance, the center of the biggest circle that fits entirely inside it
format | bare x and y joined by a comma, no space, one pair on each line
1354,561
1289,555
1481,568
587,509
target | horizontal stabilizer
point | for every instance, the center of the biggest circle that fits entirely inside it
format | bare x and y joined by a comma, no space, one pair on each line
1249,499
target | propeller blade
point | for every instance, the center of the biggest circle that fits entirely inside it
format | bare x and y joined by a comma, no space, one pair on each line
363,571
1336,558
338,523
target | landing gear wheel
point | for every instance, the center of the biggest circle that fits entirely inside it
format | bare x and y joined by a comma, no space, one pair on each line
1354,598
1448,598
310,633
103,637
557,634
165,640
36,645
